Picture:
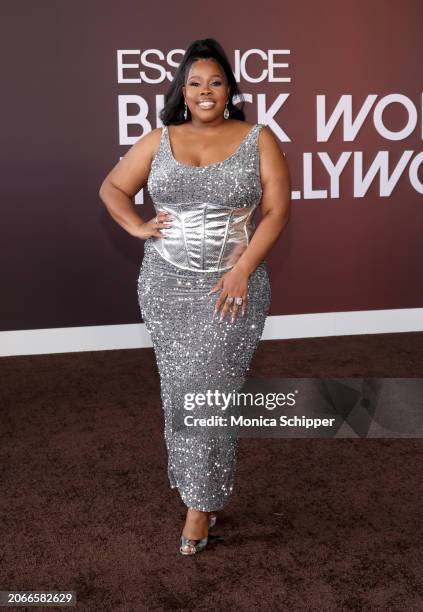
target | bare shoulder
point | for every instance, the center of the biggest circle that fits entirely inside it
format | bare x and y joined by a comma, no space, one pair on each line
149,143
269,145
146,147
267,140
131,173
272,157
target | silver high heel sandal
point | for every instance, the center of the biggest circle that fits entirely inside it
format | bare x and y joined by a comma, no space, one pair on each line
194,546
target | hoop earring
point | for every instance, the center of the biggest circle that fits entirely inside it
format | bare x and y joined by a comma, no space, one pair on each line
186,112
226,112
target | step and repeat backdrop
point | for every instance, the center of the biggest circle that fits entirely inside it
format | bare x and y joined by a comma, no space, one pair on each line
339,84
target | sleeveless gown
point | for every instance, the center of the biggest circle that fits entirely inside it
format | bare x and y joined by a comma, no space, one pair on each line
194,351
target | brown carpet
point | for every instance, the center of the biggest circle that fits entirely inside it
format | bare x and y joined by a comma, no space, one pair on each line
313,525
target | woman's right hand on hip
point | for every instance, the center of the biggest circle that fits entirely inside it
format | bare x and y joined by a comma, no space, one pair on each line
154,226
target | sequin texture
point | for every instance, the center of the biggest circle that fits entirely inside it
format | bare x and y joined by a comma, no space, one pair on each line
194,350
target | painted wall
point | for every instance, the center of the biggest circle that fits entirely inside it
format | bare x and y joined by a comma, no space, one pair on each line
339,83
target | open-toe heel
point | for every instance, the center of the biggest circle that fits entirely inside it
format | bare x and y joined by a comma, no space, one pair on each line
190,546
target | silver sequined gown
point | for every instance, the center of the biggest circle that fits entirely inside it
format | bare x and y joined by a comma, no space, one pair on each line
213,206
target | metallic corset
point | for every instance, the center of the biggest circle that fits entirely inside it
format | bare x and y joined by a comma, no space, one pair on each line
213,205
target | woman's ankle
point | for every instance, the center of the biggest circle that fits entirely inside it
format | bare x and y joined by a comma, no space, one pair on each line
196,524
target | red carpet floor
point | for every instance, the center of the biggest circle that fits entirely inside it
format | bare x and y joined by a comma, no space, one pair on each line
313,525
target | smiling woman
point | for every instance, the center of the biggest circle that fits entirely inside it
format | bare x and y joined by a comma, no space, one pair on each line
207,172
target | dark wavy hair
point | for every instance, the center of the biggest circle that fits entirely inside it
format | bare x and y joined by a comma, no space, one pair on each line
205,48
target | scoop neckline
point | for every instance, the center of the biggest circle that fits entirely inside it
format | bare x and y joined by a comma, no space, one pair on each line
219,163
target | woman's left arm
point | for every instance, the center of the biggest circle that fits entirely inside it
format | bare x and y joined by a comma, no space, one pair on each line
275,204
275,208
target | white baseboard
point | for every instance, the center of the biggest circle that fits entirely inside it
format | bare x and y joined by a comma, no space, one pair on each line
281,327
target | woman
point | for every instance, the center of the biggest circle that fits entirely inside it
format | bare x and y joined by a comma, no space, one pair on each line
207,171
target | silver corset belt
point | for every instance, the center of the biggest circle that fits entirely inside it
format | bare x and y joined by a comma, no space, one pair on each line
204,236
